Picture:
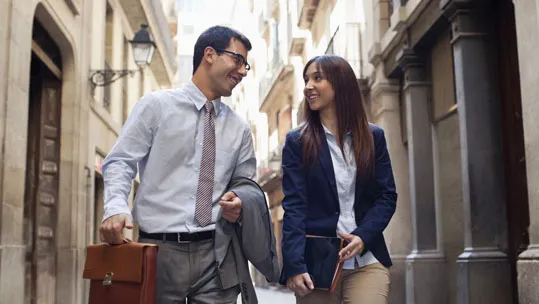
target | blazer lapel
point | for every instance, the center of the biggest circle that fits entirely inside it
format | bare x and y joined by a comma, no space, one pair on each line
324,157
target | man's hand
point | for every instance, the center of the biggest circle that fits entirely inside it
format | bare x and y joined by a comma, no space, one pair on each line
111,228
231,205
355,246
301,284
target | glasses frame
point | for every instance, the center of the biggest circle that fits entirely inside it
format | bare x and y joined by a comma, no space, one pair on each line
240,60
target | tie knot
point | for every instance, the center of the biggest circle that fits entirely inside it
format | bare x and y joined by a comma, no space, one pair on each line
208,106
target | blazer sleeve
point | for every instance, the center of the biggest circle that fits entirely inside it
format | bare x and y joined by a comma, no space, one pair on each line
385,194
295,208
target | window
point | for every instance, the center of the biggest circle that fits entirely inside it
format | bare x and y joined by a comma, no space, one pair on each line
276,51
443,86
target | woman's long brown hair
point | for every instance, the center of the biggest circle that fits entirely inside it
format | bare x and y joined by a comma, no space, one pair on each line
351,116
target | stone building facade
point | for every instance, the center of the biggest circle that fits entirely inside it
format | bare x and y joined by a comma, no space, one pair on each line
452,83
56,126
451,78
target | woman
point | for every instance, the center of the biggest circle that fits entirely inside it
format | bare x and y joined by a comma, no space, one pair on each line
337,180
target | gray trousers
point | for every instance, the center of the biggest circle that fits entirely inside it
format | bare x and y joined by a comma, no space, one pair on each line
187,271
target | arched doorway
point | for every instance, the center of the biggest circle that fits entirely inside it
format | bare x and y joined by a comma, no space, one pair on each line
42,168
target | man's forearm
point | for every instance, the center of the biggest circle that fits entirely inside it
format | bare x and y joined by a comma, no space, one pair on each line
118,177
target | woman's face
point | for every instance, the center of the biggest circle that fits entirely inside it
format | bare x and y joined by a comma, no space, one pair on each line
318,90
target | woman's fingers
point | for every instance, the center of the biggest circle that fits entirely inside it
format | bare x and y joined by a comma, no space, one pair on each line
307,281
345,253
355,246
301,284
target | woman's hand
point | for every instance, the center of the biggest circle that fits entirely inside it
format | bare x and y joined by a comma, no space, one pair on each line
301,284
355,246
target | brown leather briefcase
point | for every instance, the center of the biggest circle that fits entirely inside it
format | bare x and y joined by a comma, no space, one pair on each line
121,273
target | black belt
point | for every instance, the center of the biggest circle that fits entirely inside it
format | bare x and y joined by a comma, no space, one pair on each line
179,237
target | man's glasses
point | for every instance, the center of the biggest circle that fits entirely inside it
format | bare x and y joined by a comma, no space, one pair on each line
240,60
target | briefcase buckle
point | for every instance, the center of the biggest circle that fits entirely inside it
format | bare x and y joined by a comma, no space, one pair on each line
108,279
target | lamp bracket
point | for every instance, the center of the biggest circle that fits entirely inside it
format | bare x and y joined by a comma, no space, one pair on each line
105,77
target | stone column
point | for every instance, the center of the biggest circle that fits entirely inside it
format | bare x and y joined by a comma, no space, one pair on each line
527,22
425,265
15,54
484,274
385,112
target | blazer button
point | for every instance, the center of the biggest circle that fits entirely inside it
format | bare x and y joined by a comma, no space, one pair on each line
337,213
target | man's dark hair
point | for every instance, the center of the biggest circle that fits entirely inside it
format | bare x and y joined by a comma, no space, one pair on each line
218,37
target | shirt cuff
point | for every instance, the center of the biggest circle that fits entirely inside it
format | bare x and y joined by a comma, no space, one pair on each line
115,207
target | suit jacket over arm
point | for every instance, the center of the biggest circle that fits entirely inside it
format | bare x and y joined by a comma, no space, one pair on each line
251,241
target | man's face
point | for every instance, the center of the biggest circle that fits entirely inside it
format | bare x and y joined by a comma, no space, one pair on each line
228,70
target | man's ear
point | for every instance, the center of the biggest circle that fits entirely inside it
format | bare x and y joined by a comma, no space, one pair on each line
209,54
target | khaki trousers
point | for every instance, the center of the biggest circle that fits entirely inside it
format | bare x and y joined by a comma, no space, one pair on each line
366,285
187,272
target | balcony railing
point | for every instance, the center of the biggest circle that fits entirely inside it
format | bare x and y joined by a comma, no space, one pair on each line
269,170
393,6
296,37
269,79
306,12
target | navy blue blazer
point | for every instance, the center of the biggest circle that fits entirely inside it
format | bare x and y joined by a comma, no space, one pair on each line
311,204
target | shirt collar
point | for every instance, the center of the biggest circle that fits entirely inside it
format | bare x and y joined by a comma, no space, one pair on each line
326,130
198,98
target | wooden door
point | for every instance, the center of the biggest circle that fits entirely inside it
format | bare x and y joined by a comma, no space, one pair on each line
42,177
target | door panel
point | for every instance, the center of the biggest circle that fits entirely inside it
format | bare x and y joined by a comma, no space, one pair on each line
41,198
47,206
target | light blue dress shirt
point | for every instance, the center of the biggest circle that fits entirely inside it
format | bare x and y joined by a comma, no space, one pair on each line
345,177
163,138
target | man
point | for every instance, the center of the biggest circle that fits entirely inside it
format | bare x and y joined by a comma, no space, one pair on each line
189,147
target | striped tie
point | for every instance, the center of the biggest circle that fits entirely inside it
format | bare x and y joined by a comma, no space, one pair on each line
203,209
